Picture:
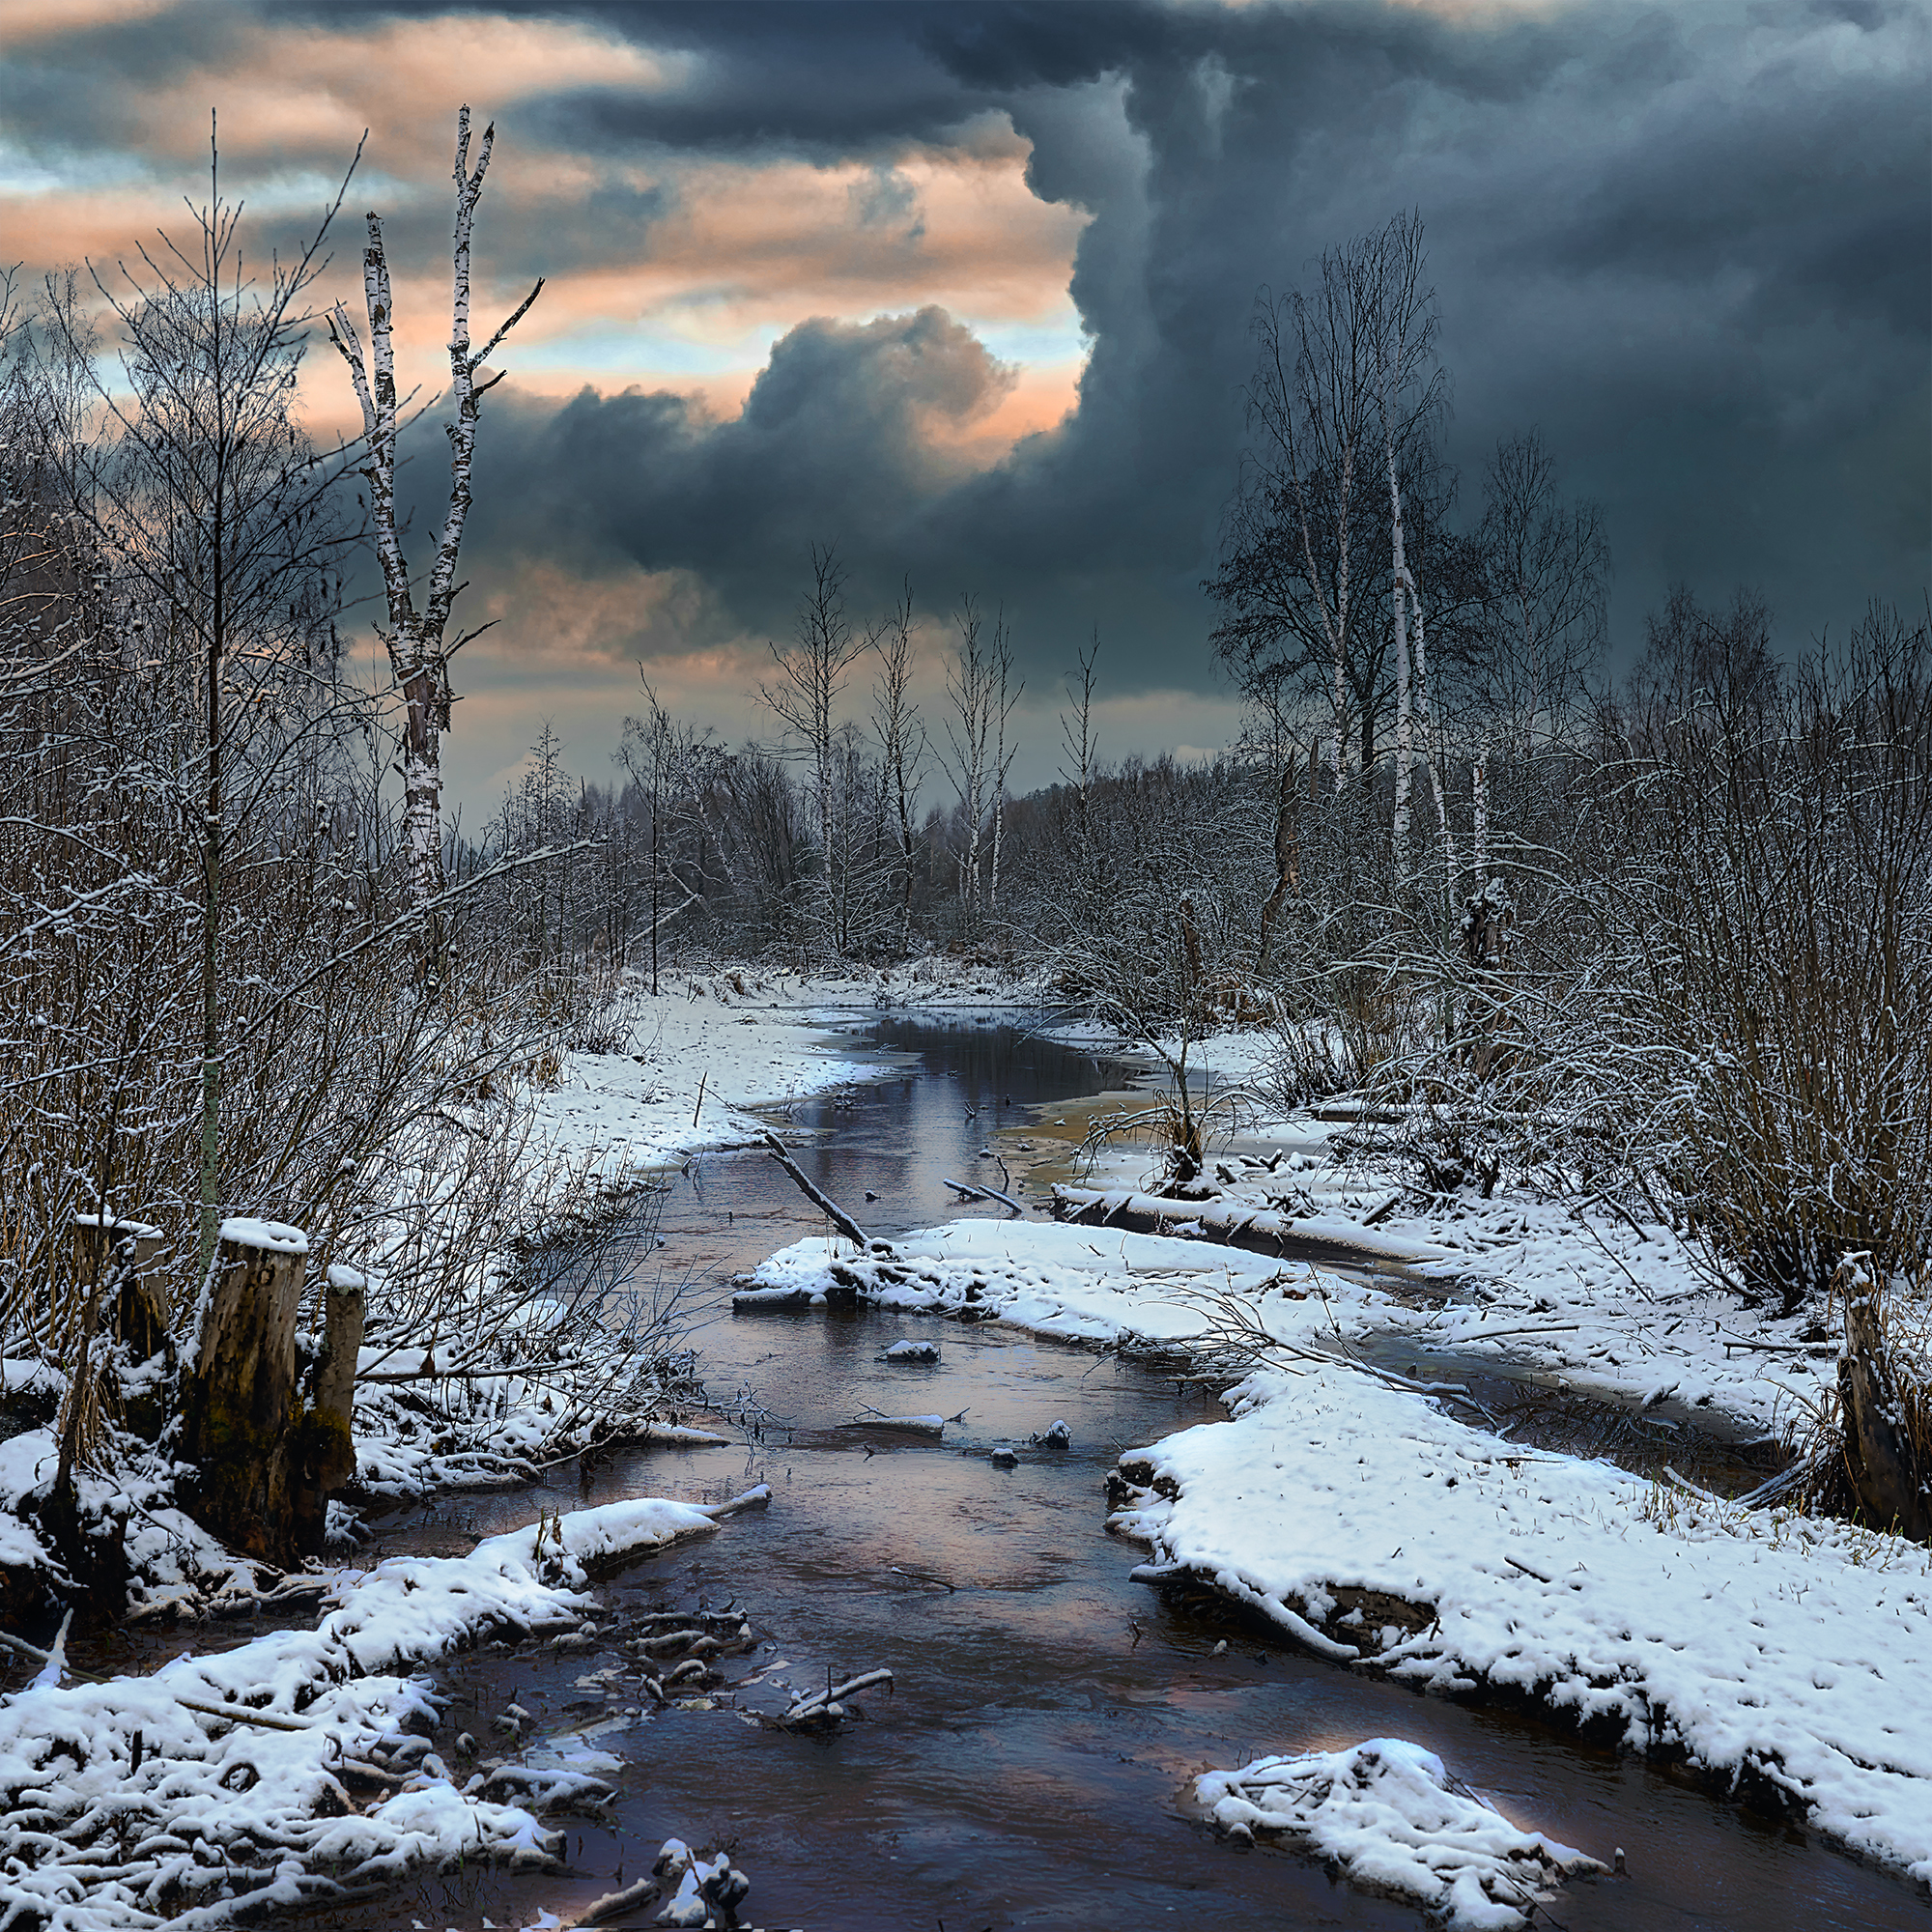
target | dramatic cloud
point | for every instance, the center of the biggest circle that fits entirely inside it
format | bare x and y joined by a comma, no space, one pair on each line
965,289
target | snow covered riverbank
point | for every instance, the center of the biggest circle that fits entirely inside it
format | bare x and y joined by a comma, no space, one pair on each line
299,1768
1778,1654
710,1047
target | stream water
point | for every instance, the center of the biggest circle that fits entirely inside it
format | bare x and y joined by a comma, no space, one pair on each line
1030,1766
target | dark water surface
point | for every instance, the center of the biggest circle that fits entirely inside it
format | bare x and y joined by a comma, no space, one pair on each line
1031,1766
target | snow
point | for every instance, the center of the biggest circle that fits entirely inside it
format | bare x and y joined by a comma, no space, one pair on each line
228,1816
1390,1815
706,1887
138,1230
247,1231
1757,1645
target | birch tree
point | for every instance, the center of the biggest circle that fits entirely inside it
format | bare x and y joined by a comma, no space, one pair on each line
1006,693
1410,396
1342,388
417,640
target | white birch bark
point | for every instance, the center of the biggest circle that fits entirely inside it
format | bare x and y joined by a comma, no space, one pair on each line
968,684
416,640
1479,787
1432,747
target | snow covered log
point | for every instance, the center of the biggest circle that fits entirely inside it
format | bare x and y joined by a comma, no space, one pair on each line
1260,1230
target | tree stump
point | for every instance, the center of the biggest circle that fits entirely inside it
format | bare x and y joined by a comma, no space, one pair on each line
1883,1451
124,1251
118,1255
241,1403
326,1453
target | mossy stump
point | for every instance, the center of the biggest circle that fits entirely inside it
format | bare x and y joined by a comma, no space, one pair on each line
240,1399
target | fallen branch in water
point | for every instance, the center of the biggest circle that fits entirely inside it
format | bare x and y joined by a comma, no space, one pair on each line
972,1193
822,1709
821,1200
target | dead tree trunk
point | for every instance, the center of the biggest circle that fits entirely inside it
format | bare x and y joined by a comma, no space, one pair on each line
240,1400
326,1453
1884,1455
419,648
1287,853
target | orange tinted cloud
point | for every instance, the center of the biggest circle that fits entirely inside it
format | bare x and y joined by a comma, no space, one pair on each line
690,295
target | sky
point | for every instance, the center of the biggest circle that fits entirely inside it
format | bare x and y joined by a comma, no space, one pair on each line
966,291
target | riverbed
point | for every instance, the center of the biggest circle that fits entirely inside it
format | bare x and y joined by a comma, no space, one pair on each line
1030,1765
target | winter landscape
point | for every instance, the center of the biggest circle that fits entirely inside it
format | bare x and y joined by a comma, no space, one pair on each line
965,965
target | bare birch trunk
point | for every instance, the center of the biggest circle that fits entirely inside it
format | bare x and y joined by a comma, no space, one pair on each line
1479,801
416,640
1432,749
1004,700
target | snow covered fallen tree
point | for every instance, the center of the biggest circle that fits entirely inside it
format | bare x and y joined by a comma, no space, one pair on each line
223,1785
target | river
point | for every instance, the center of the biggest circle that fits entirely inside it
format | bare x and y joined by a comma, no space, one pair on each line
1030,1766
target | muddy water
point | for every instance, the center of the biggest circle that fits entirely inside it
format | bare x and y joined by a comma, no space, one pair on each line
1030,1767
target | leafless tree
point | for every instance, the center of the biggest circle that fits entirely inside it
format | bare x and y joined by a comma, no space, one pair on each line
1080,743
1546,568
1344,382
805,699
660,758
218,513
416,640
901,734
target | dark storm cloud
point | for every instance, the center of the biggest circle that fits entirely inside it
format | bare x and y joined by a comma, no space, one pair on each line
837,422
1692,245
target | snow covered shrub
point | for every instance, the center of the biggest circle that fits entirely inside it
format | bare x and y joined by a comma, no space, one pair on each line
1769,958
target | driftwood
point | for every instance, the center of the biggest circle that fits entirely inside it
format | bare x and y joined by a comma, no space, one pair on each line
821,1710
973,1193
821,1200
